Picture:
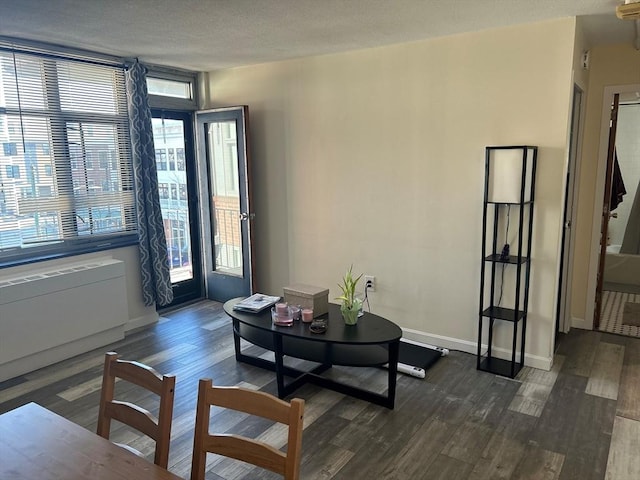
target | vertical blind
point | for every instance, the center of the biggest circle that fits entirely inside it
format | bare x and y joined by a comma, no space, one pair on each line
66,176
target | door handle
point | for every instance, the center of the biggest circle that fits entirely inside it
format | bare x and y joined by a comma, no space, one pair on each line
614,215
247,216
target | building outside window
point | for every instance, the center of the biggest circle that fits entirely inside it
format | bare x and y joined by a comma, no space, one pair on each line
161,159
66,151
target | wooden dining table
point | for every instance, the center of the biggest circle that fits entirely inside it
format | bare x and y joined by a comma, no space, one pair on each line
36,443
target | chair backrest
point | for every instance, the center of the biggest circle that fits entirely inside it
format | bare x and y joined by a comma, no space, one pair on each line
159,429
241,448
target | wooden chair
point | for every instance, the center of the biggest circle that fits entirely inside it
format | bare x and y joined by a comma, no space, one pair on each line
159,429
241,448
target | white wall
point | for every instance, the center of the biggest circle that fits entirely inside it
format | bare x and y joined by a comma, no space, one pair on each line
376,158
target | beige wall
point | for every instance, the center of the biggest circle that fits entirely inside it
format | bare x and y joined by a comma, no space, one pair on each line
580,74
376,158
610,65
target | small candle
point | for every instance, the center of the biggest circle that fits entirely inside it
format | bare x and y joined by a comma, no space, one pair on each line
281,309
307,315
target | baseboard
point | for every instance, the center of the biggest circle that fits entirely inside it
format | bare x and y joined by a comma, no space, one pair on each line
535,361
579,323
142,321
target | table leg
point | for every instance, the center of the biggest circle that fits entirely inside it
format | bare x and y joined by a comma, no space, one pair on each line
236,339
279,364
394,348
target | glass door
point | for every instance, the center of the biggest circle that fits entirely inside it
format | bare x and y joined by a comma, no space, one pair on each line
176,166
228,217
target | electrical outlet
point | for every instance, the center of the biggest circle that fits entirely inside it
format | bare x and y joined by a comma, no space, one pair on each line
370,282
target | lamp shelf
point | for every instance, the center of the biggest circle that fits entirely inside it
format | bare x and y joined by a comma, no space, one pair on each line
499,366
501,313
508,200
526,202
511,259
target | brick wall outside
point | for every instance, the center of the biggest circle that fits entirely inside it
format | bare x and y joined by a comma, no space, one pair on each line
227,220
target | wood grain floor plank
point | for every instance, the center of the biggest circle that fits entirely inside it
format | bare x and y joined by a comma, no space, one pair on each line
418,453
445,468
517,426
41,380
474,417
554,428
588,447
624,461
499,458
628,393
604,379
539,464
468,442
95,384
579,350
489,408
327,463
535,388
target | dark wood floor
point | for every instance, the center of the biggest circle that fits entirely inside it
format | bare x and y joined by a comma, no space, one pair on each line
579,421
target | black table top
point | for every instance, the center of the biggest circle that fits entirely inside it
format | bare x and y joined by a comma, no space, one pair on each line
371,329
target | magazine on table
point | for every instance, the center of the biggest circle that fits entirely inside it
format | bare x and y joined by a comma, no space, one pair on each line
256,303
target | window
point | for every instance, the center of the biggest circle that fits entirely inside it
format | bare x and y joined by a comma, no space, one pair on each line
164,190
172,159
66,118
161,159
181,165
169,88
10,148
13,171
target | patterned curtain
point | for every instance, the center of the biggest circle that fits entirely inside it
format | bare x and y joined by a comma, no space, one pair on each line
154,261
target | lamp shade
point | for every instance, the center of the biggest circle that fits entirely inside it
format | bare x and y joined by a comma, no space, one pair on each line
506,174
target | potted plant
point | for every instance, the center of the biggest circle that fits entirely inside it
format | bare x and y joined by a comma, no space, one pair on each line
351,305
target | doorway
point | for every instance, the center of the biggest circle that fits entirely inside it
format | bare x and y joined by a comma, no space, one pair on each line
176,167
618,274
227,213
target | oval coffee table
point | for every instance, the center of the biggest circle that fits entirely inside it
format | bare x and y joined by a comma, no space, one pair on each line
374,341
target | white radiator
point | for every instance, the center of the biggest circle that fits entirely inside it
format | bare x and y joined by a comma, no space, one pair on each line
48,316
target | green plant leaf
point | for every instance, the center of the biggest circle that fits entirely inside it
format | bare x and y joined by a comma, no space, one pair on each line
348,288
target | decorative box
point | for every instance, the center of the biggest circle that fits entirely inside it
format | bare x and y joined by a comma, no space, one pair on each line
308,296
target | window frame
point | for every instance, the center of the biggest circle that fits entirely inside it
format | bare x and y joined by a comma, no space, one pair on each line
173,103
77,243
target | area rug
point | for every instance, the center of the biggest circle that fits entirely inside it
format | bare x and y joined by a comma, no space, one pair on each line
631,314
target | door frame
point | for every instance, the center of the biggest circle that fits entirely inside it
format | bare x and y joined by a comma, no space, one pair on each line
193,289
563,309
204,187
594,257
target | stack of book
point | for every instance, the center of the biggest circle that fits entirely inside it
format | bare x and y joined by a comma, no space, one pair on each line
256,303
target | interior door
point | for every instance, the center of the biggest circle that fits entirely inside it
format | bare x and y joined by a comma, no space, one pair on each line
606,211
175,163
224,161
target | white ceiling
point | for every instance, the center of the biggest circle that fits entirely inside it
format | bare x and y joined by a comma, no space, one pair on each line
213,34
